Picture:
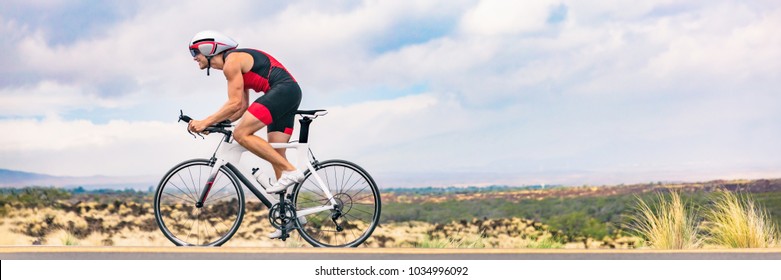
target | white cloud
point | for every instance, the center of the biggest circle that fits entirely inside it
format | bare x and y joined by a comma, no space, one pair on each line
728,41
51,98
497,17
53,134
370,127
12,32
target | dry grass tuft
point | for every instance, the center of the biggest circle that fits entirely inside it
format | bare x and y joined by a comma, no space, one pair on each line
667,224
735,221
467,241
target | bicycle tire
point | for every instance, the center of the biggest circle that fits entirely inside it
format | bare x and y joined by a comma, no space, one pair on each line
214,223
359,198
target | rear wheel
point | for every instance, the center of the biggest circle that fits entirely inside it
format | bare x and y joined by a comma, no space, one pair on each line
357,199
185,224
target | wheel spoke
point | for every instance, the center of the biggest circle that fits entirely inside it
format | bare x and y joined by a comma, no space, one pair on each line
351,231
200,176
362,203
198,231
351,176
365,196
313,201
215,193
223,187
183,192
180,198
317,193
215,200
336,182
334,233
196,187
191,229
357,218
356,182
328,230
343,172
208,224
185,184
367,213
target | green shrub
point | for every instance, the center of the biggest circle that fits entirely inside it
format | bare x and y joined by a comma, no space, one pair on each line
33,196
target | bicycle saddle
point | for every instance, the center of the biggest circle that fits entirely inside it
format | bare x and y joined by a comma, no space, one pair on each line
314,113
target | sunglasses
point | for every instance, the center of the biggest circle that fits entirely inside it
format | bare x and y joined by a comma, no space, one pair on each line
194,51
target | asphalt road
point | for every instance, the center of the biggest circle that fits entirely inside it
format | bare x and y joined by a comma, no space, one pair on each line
227,253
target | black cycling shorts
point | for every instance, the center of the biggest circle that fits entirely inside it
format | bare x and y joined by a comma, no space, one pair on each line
277,107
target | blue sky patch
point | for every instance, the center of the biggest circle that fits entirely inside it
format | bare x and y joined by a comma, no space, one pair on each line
413,32
72,21
363,94
557,14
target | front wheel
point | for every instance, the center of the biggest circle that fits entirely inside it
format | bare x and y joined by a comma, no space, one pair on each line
357,200
186,224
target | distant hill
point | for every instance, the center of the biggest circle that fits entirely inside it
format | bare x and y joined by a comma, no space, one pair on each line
14,178
517,194
9,177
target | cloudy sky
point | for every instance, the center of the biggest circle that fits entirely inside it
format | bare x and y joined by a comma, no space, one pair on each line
419,92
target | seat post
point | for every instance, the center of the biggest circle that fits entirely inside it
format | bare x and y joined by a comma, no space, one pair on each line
303,136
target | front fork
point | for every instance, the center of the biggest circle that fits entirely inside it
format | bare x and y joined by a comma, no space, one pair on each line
216,165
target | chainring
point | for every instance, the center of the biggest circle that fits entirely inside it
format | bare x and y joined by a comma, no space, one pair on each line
279,218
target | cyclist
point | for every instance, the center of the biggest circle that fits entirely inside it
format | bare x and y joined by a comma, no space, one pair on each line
246,69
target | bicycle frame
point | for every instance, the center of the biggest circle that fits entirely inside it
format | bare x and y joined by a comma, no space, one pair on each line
229,154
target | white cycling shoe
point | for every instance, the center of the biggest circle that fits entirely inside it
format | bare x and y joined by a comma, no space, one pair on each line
278,233
287,179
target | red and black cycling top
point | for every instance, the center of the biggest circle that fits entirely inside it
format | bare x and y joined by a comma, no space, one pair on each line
265,72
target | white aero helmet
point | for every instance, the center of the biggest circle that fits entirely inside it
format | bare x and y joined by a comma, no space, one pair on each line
211,43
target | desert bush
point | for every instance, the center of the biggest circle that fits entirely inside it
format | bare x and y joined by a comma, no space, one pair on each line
736,221
545,243
669,223
579,224
33,196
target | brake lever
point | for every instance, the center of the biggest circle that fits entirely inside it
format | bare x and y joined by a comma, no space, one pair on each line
188,119
194,134
191,133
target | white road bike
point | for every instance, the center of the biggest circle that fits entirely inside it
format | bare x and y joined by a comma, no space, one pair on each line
200,202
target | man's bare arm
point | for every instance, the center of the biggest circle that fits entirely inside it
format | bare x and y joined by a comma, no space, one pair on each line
237,96
240,113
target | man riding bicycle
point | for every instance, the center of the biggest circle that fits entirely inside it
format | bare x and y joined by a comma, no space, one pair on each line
246,69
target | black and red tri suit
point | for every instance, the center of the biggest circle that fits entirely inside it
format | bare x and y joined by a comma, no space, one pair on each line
277,107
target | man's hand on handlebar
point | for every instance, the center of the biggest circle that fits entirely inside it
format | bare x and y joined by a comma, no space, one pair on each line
198,126
201,127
